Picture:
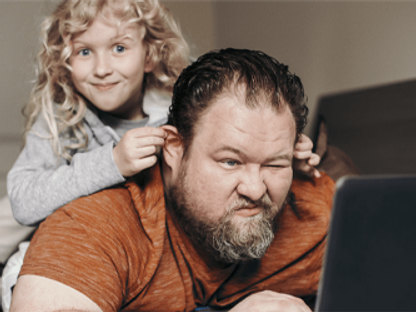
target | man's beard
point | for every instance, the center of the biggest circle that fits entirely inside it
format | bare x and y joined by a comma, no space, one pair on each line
229,239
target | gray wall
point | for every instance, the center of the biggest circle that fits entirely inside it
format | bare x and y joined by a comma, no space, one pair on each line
332,46
19,24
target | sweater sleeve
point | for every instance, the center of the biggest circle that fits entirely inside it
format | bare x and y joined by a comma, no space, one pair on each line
40,182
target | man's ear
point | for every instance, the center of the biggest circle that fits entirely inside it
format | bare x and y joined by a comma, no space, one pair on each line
172,149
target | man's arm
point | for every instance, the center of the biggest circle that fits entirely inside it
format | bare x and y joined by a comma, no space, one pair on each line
271,301
35,293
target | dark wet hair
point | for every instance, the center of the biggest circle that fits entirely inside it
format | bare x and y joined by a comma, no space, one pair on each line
220,71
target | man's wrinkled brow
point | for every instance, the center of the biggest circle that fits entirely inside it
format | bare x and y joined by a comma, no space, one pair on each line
236,151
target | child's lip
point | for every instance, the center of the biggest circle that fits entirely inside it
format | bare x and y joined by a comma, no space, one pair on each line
104,86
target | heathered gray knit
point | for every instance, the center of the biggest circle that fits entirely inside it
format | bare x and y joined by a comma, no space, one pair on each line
39,182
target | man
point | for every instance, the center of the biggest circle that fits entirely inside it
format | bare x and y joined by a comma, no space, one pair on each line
219,223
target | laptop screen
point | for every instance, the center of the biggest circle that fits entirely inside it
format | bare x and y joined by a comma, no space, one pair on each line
370,261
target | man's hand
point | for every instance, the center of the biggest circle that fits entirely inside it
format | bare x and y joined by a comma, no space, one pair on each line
304,160
136,150
270,301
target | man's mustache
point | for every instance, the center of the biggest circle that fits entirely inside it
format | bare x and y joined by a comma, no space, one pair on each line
243,202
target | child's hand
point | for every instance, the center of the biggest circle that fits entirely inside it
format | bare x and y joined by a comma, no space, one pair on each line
304,161
136,150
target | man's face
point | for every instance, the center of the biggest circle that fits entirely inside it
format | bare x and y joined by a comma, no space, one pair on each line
236,177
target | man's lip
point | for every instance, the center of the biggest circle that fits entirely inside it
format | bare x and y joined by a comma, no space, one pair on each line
248,211
104,86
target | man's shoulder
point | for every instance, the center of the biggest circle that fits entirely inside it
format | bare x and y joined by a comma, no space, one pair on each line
113,239
304,225
312,182
130,205
317,192
124,205
310,210
109,203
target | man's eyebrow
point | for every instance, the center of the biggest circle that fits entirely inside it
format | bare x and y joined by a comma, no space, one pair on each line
288,157
230,149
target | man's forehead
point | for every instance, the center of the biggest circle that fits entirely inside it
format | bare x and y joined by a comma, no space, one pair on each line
230,113
250,97
237,94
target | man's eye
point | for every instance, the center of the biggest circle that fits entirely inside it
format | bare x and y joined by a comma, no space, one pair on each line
275,166
119,49
231,163
84,52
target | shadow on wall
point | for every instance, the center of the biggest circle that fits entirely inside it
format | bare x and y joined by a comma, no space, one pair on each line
376,127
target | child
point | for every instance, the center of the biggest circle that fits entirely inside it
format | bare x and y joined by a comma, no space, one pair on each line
97,59
105,75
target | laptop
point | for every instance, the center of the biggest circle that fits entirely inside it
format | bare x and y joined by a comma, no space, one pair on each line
370,261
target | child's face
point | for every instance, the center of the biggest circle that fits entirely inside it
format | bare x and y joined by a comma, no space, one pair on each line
109,63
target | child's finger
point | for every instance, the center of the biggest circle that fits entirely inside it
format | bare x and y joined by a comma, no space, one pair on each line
305,154
147,131
311,171
145,151
316,173
304,143
314,159
148,141
303,146
144,163
304,168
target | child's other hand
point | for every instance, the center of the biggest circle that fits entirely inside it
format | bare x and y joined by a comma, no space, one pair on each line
136,150
304,160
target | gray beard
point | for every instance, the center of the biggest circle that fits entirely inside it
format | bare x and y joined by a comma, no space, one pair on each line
225,240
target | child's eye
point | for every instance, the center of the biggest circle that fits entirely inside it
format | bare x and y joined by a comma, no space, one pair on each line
119,49
84,52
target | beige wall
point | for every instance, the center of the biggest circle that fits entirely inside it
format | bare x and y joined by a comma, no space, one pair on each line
19,25
332,46
196,21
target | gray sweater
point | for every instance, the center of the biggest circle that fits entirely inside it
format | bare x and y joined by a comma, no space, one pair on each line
40,182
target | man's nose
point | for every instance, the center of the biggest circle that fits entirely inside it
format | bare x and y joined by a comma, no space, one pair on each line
103,66
251,184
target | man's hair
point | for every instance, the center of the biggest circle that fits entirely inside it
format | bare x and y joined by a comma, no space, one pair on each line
224,70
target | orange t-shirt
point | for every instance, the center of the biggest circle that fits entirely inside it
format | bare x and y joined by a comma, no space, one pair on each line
123,250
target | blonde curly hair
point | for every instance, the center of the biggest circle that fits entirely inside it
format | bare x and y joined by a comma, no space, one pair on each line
54,87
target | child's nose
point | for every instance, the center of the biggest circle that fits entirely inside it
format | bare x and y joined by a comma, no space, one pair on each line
103,66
